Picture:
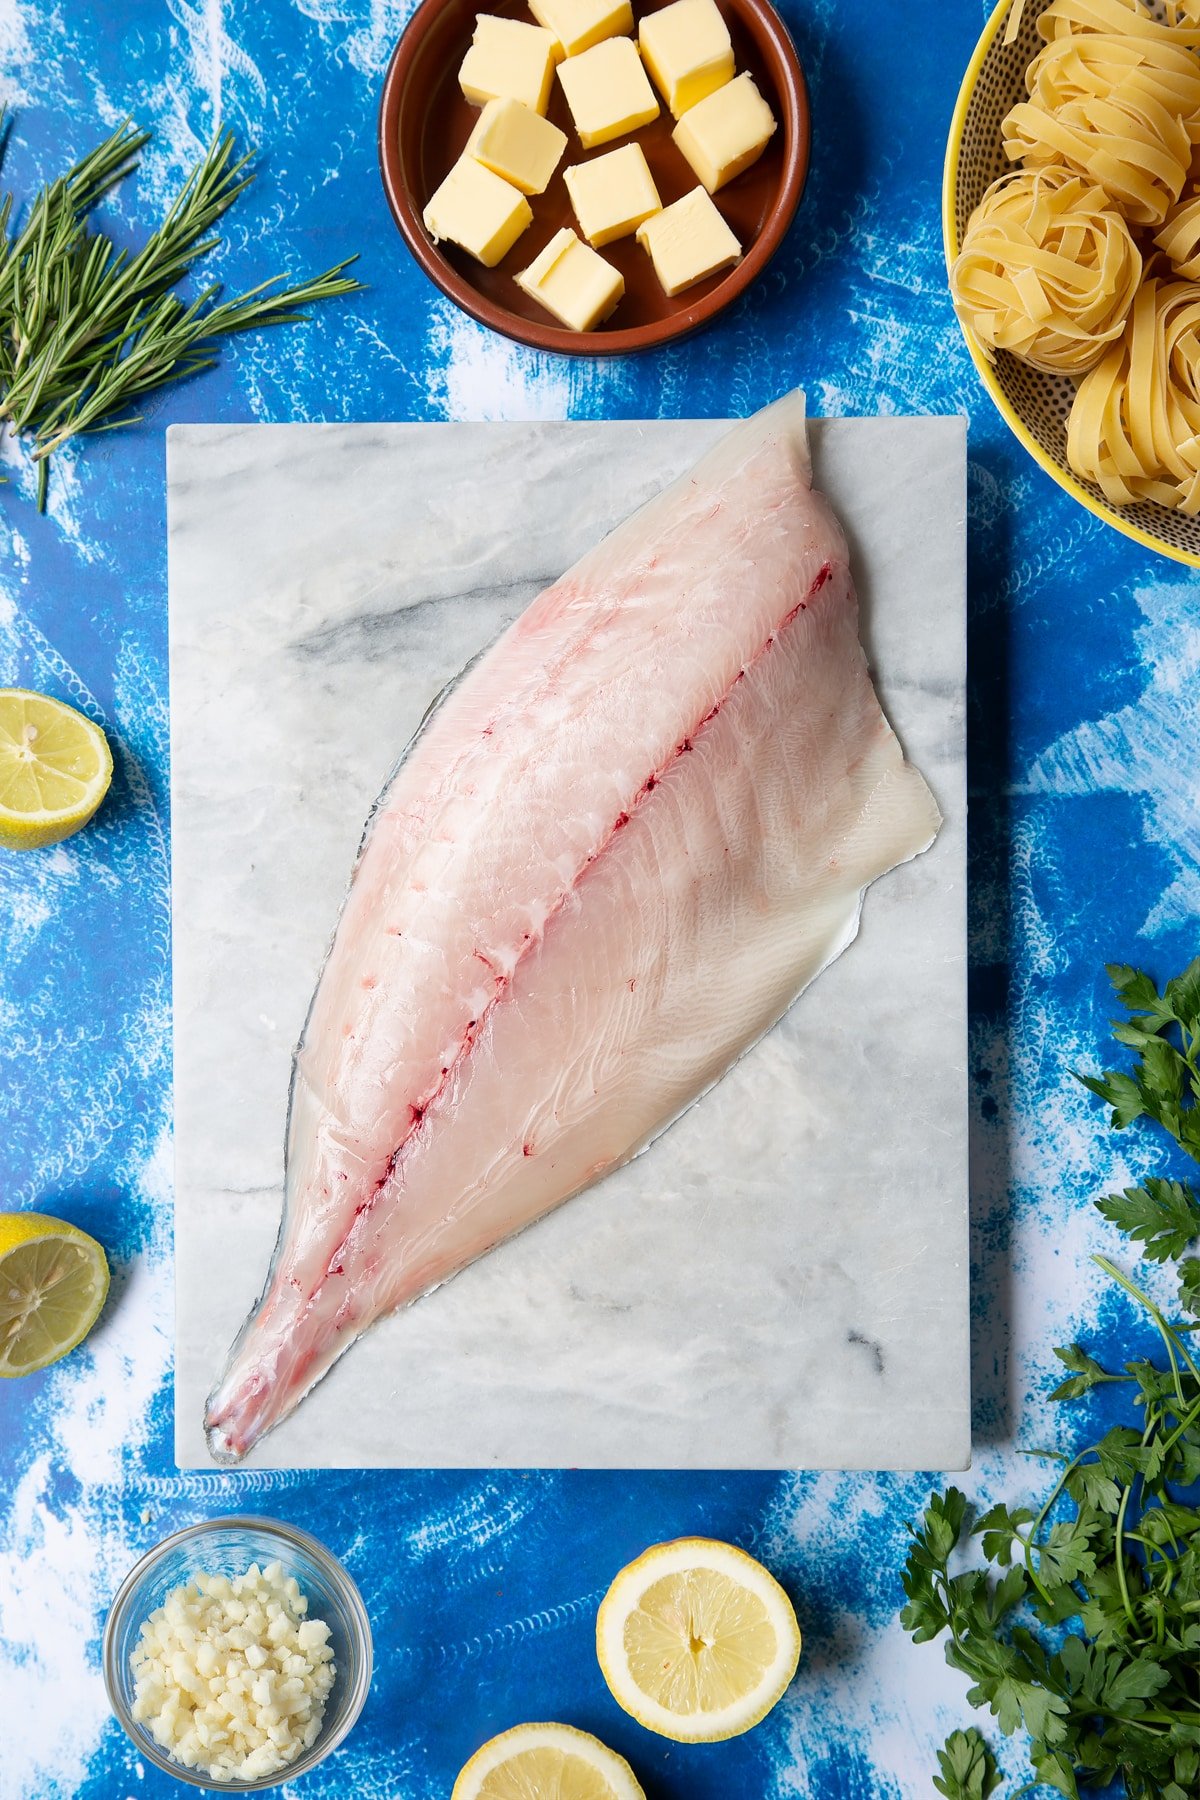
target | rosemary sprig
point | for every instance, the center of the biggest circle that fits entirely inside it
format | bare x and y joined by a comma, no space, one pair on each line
86,329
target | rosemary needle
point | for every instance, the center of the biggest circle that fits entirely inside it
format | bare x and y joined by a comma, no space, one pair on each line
86,329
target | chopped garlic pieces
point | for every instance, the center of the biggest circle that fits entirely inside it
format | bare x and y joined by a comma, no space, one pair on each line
230,1677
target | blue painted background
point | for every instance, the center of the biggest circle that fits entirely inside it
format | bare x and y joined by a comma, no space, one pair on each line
1085,676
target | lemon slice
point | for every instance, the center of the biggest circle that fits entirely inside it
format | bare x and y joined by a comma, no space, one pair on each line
546,1762
53,1279
55,767
697,1640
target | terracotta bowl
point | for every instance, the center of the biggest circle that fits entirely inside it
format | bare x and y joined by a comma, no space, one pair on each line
424,123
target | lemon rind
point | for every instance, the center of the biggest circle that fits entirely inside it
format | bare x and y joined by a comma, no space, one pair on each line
29,1228
534,1736
676,1557
38,830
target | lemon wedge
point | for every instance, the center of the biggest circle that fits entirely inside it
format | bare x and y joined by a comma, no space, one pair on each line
53,1280
546,1762
697,1640
55,768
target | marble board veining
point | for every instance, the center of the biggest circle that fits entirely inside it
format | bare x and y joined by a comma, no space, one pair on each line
781,1279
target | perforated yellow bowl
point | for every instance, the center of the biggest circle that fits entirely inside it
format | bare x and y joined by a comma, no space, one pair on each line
1033,405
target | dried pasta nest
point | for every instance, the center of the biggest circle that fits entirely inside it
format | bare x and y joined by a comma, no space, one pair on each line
1180,21
1183,16
1179,237
1103,65
1051,268
1048,269
1134,427
1120,111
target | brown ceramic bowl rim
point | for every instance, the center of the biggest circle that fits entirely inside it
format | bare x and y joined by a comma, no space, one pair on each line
763,19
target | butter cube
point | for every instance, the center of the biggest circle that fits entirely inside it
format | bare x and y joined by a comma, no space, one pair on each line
509,60
572,282
612,194
518,144
688,241
478,211
607,91
688,51
725,133
578,24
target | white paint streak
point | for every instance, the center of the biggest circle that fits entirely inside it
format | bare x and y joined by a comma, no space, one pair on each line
213,53
476,374
64,1545
1150,748
16,53
59,1560
368,48
863,1691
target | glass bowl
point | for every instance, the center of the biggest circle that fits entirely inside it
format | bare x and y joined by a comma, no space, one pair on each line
227,1547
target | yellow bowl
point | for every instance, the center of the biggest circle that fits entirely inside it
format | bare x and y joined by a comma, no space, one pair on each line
1033,405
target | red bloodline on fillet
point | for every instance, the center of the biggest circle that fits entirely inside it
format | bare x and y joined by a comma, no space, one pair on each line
470,1035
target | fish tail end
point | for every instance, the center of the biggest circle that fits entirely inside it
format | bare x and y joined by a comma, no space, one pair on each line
272,1366
236,1415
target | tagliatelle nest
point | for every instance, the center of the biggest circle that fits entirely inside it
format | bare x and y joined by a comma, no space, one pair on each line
1135,423
1047,270
1104,66
1179,237
1116,110
1050,267
1126,18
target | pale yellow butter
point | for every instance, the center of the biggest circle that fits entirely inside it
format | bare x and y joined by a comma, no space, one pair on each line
477,210
688,241
612,194
509,60
607,91
515,142
578,24
572,282
725,133
687,49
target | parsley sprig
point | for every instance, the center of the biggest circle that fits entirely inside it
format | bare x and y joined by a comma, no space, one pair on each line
86,330
1164,1031
1081,1624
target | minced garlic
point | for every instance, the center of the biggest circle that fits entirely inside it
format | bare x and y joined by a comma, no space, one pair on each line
229,1675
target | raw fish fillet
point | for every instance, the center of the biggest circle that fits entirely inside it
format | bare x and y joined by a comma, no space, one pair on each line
612,857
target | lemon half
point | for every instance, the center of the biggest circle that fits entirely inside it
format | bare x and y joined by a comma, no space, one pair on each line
696,1640
55,769
546,1762
53,1280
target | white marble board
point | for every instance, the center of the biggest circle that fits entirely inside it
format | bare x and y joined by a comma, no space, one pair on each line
781,1280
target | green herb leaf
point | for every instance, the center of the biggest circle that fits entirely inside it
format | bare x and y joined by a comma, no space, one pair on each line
1137,992
1067,1553
968,1768
1162,1216
1189,1285
1000,1529
1055,1771
1119,1453
1088,1373
1088,1485
1182,995
1121,1092
1133,1681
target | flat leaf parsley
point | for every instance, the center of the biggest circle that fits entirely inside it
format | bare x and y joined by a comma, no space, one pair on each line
1108,1566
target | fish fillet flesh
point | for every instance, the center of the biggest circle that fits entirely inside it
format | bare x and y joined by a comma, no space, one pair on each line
612,857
